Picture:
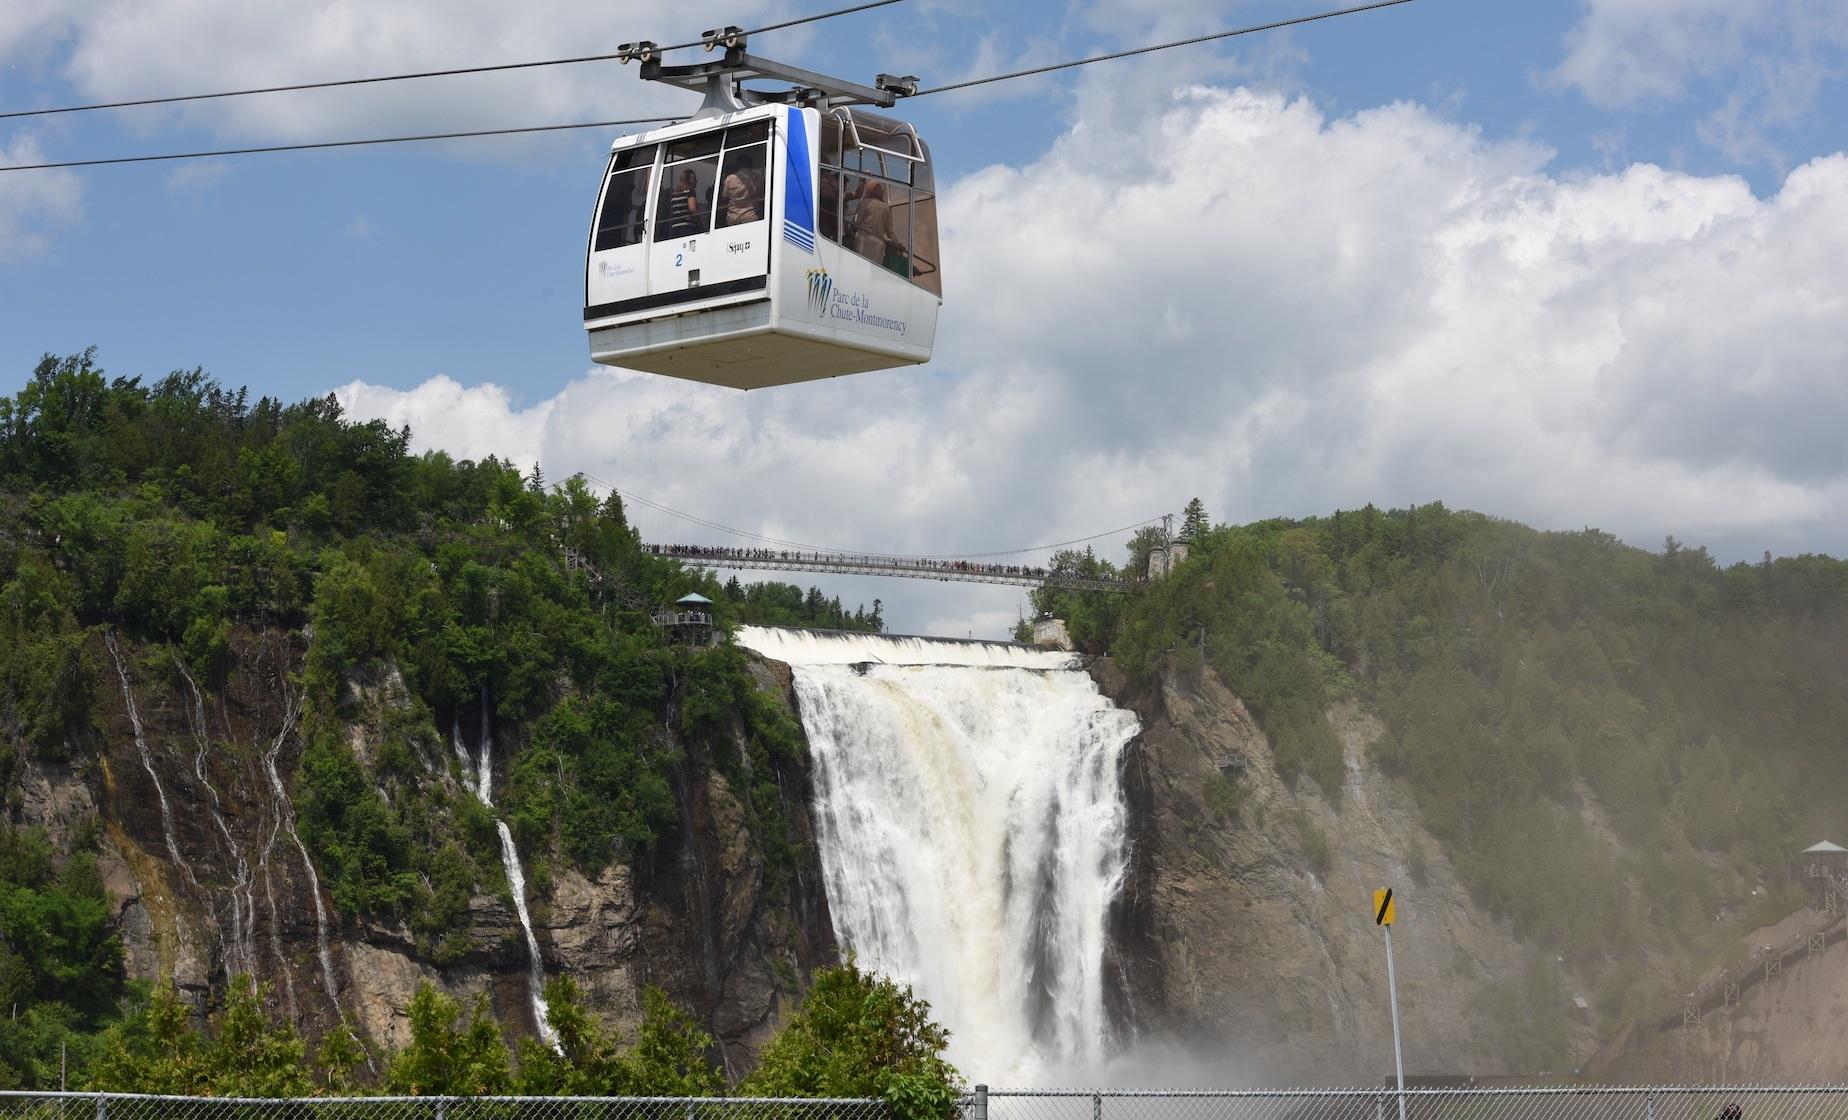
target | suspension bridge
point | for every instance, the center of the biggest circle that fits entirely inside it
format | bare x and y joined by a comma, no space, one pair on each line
1093,563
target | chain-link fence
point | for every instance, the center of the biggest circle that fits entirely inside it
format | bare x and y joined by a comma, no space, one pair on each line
1552,1103
132,1106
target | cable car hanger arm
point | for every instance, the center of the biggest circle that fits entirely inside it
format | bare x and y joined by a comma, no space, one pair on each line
728,74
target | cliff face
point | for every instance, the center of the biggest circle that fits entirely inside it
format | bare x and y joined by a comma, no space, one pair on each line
195,787
1245,938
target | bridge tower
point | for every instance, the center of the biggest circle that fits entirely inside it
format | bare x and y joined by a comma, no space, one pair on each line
1173,550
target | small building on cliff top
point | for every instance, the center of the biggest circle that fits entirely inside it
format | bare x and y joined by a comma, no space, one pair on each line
689,620
1818,864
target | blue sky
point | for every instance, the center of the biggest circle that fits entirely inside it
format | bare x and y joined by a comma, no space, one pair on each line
1602,152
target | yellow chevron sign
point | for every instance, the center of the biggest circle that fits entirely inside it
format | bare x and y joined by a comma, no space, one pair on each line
1382,907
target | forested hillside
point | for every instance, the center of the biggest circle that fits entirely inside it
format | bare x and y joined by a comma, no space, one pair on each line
262,579
1620,750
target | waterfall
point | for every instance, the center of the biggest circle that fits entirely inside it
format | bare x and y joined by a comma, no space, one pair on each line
147,761
971,828
285,818
243,898
510,859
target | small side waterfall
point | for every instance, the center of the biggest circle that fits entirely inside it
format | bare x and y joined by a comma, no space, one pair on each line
482,775
147,761
285,818
241,951
971,828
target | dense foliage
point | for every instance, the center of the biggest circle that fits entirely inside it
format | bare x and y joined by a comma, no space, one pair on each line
861,1035
1613,745
60,959
857,1035
783,604
413,603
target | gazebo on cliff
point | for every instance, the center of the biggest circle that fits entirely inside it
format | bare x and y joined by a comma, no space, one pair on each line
689,620
1819,863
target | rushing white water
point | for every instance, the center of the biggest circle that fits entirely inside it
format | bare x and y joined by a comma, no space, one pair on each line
510,859
971,823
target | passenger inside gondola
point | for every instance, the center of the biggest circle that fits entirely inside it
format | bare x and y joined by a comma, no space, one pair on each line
683,215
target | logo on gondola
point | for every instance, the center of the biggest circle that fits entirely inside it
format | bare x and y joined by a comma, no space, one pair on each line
820,289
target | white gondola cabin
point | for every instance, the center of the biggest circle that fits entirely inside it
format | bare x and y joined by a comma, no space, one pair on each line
764,244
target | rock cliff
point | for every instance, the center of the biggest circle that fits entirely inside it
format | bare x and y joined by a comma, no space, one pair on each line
194,785
1244,939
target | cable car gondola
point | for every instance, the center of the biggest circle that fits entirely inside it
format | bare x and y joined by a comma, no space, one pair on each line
775,237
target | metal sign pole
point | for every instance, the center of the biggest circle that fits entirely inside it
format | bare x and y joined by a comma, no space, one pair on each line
1392,993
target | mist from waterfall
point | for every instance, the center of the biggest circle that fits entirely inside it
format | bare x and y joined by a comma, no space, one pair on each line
971,826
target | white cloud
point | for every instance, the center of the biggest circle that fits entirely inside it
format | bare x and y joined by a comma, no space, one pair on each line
32,201
1625,51
1771,60
111,49
1282,314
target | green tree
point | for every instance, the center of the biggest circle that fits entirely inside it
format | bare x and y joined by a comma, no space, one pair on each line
669,1057
1193,519
153,1050
450,1054
861,1035
250,1054
339,1057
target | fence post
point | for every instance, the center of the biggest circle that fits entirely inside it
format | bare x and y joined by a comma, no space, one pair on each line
1379,1106
1649,1105
978,1109
442,1106
102,1107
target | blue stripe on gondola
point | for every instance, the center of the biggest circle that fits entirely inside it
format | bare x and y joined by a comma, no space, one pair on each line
799,207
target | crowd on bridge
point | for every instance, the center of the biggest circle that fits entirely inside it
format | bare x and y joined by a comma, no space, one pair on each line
864,560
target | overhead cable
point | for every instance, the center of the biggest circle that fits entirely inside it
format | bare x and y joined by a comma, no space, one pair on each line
1274,25
1253,29
335,144
376,79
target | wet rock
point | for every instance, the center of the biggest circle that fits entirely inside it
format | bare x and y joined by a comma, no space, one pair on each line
1234,939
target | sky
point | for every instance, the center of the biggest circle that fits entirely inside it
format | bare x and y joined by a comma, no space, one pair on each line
1569,262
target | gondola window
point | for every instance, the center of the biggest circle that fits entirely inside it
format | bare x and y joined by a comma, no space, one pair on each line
623,219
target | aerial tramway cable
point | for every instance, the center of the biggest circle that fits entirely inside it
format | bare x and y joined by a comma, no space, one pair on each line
493,68
1274,25
339,143
310,146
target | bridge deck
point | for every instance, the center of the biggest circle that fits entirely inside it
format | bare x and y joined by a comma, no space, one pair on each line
955,571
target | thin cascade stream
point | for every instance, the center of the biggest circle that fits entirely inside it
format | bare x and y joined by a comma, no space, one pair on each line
147,761
285,819
241,954
483,778
972,832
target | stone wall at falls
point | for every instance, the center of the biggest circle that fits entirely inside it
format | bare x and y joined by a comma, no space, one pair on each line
972,829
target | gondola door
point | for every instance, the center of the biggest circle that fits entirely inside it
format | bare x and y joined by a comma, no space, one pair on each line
617,269
711,203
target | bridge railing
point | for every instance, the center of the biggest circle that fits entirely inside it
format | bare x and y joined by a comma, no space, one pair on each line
918,567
